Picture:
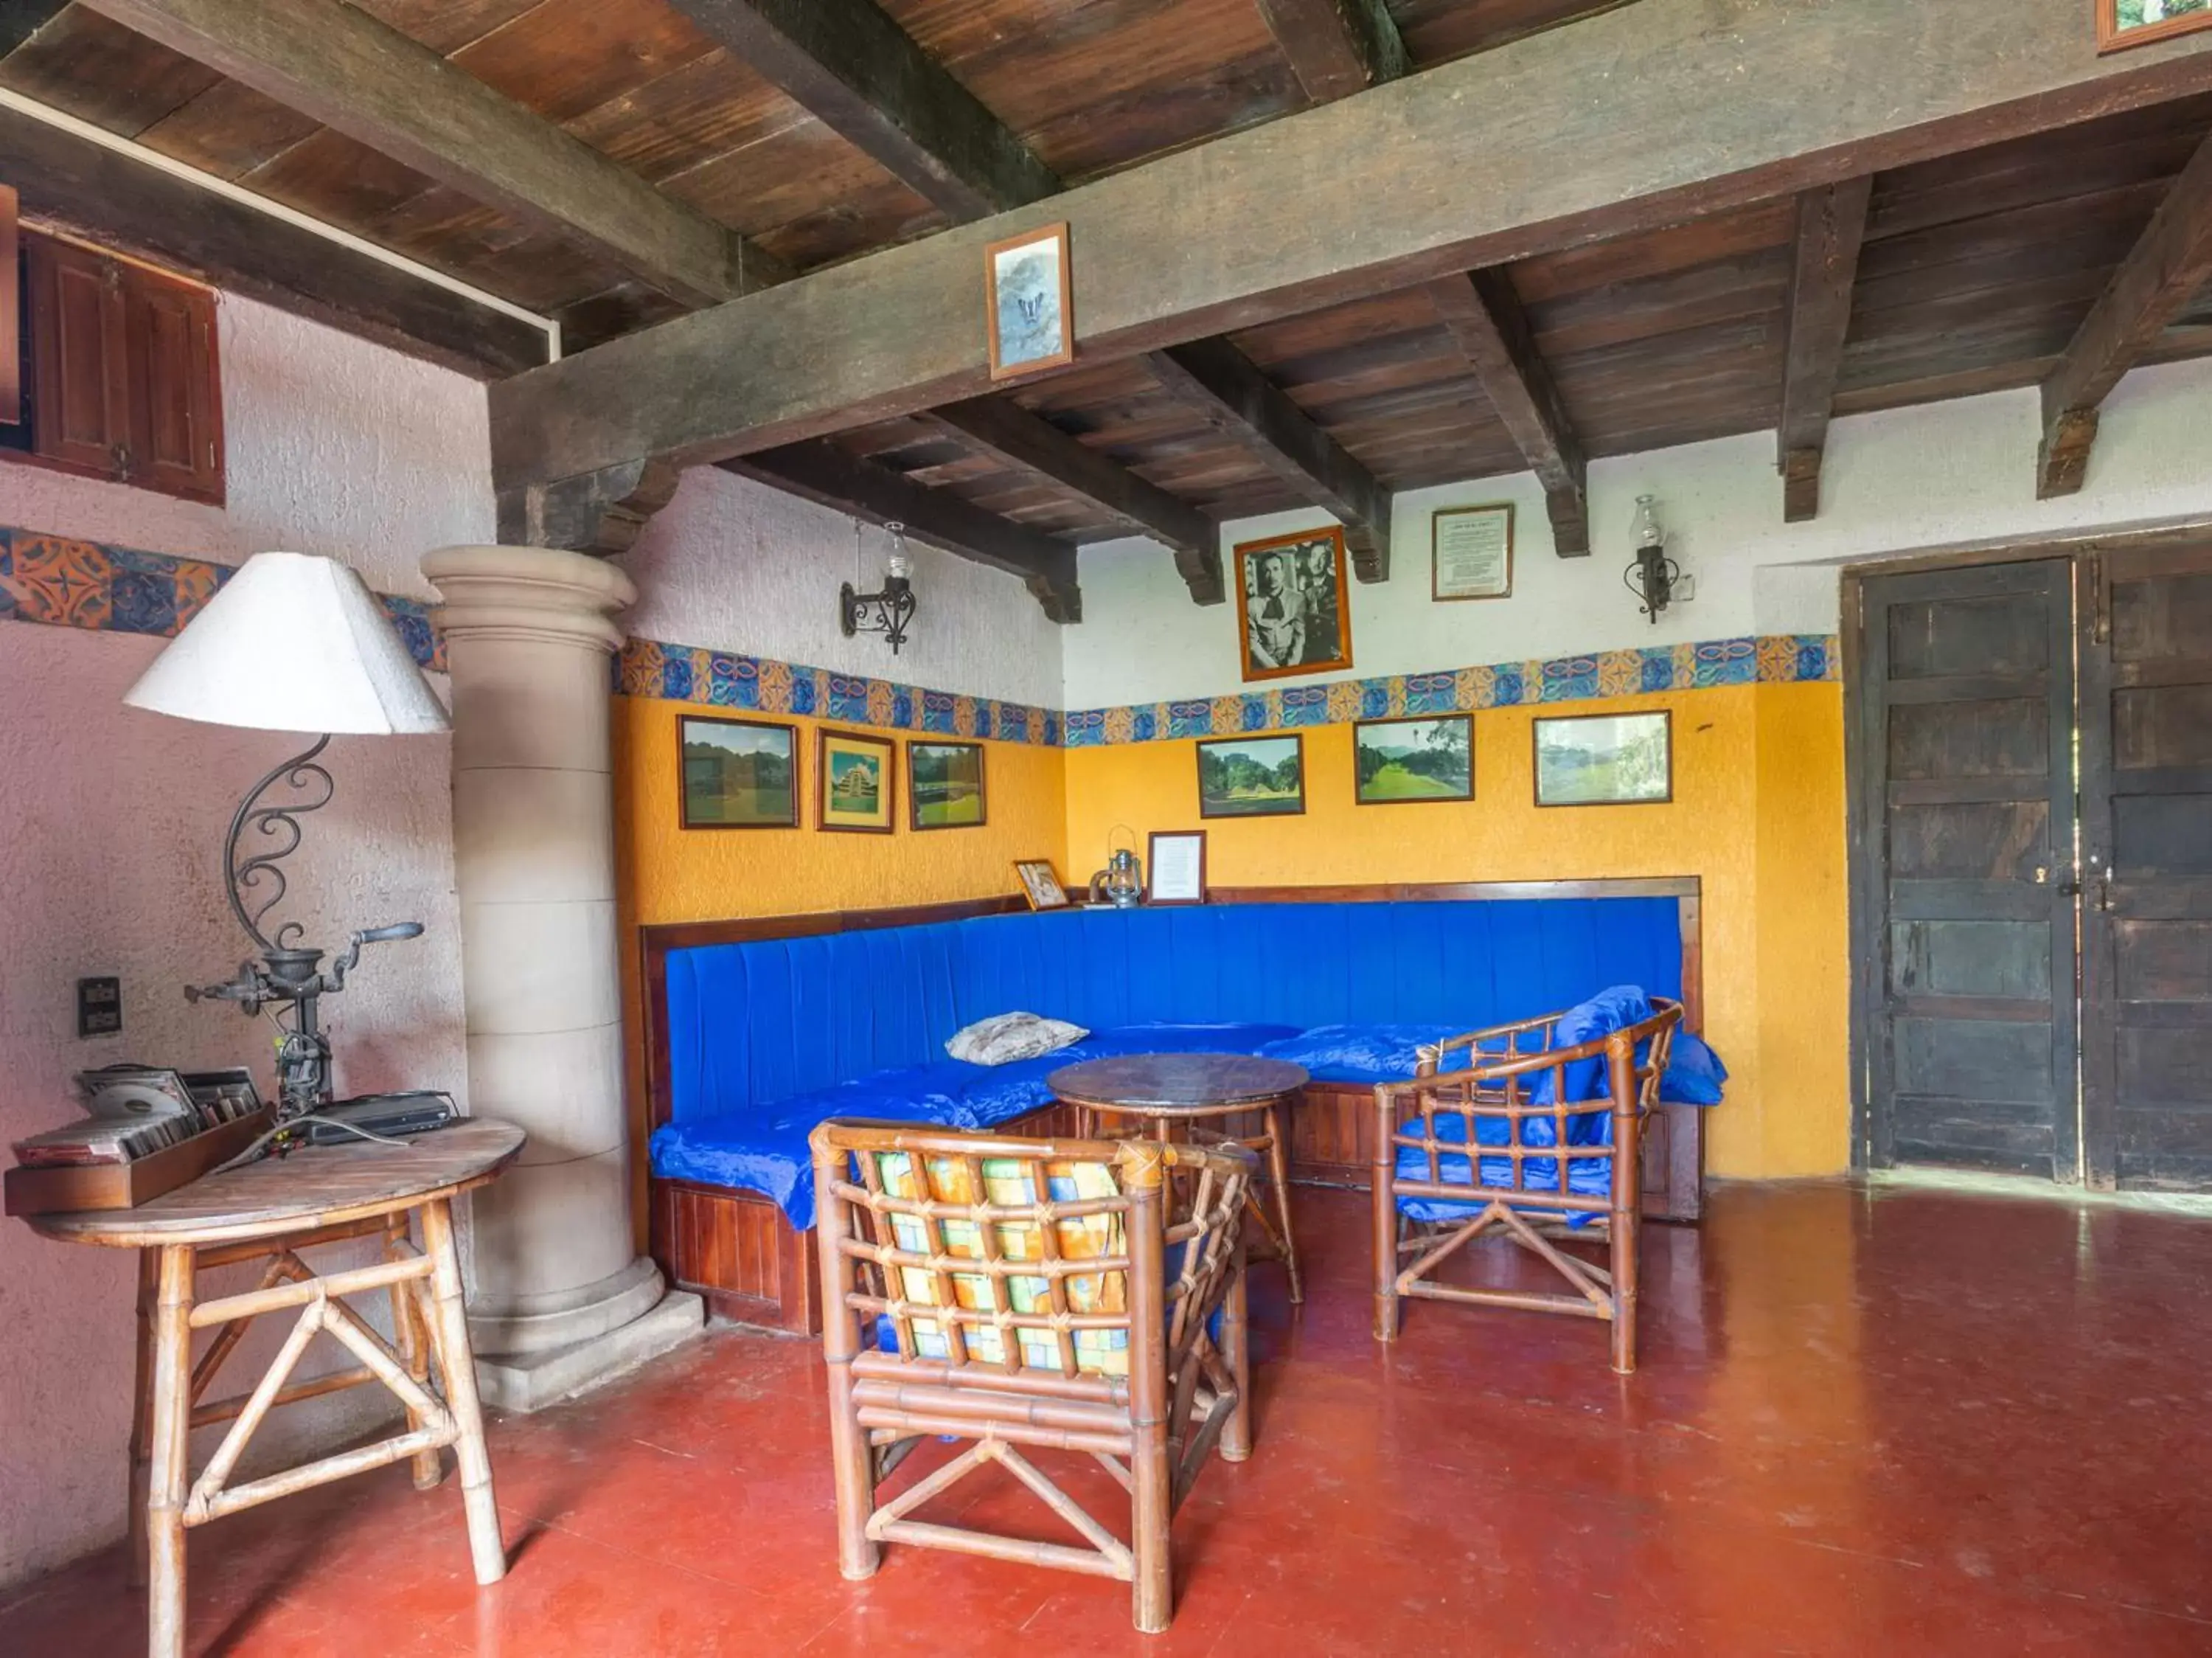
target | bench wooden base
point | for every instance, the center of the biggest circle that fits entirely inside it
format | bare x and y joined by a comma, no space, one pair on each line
735,1248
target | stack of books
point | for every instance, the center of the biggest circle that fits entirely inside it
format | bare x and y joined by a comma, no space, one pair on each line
134,1111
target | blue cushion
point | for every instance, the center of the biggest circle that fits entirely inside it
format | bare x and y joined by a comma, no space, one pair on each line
1609,1011
1694,1073
1587,1177
1365,1054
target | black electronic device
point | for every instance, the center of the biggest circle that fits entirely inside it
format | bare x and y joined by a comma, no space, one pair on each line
382,1116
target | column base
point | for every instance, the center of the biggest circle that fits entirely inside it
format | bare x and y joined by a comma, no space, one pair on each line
531,1381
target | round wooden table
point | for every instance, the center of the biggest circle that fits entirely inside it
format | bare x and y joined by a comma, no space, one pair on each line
269,1211
1170,1089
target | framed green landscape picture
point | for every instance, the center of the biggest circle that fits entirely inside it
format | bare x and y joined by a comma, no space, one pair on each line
737,774
2138,23
853,777
1252,777
1418,758
944,785
1605,760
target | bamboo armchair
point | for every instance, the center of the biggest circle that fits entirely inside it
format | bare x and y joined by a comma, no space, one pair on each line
1075,1295
1497,1159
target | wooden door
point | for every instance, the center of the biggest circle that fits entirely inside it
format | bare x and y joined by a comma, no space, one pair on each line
81,389
176,403
1963,832
2146,819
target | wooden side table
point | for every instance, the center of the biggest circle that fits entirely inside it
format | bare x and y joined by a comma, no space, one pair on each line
1168,1088
270,1210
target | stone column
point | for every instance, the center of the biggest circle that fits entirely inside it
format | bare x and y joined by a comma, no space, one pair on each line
561,1301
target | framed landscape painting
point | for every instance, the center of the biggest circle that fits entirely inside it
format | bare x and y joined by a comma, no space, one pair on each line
944,784
2138,23
1420,758
1252,777
737,774
854,778
1027,292
1293,614
1605,760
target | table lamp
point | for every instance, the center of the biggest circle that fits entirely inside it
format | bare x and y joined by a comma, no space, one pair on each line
291,642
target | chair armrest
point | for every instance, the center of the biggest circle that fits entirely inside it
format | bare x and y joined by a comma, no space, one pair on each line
1429,1058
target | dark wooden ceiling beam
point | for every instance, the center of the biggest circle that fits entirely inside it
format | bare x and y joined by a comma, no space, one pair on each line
2167,268
21,18
334,62
1219,384
70,183
1487,323
1030,442
1316,209
1831,225
855,70
1337,47
831,476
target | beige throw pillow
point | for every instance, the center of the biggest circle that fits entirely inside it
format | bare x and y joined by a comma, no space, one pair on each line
1008,1037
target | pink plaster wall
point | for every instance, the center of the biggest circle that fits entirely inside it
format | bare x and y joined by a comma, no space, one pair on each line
111,821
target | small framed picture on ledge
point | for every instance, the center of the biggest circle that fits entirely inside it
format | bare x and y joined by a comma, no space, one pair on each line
1174,861
1040,884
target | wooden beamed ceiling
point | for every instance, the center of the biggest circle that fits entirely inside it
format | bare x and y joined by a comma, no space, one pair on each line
1262,324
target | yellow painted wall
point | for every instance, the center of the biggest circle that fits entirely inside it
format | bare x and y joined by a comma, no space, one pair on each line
668,873
1758,813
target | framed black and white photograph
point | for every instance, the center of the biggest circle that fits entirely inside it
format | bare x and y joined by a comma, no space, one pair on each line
1293,608
1252,777
1422,757
1471,553
944,785
1175,865
2138,23
737,774
1605,760
1028,291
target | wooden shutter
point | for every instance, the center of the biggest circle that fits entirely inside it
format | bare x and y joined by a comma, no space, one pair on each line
11,315
175,442
80,389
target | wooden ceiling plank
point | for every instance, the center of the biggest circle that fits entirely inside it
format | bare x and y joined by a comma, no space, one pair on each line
366,80
1831,224
69,183
2168,268
1337,47
1311,211
1218,383
1032,443
829,476
851,67
21,18
1490,327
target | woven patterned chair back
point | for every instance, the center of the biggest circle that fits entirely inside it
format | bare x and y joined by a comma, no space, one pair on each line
1487,1128
1013,1255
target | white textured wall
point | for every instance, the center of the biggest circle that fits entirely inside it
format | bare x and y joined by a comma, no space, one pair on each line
735,566
111,824
1894,482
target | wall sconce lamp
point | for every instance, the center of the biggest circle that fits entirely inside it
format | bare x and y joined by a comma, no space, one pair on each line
887,612
1652,578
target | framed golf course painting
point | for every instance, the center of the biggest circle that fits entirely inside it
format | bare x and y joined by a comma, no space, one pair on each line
1605,760
1420,758
854,778
944,785
1252,777
737,774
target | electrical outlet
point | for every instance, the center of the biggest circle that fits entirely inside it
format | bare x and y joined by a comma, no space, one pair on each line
99,1007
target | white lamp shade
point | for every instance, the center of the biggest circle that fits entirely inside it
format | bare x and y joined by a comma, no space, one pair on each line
292,643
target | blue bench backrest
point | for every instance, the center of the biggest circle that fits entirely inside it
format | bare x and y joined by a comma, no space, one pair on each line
751,1024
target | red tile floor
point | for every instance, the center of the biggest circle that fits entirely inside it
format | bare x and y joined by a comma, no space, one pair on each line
1867,1421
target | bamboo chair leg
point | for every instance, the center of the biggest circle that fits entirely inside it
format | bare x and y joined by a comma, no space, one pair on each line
1278,1176
1386,1253
1624,1295
1236,1355
142,1412
457,1364
170,1427
414,1349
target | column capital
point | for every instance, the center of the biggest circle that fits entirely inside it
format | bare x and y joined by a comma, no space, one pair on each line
543,593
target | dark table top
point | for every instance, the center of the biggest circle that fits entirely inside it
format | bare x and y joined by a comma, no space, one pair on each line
1165,1084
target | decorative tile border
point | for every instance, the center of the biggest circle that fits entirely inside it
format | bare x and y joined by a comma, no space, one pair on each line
723,679
110,589
1769,659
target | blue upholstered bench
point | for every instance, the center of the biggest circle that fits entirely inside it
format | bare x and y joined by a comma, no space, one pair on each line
755,1038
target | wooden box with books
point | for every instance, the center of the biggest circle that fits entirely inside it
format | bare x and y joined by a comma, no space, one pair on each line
126,1186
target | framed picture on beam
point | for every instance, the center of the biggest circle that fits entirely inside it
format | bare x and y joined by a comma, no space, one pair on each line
1030,298
2121,23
